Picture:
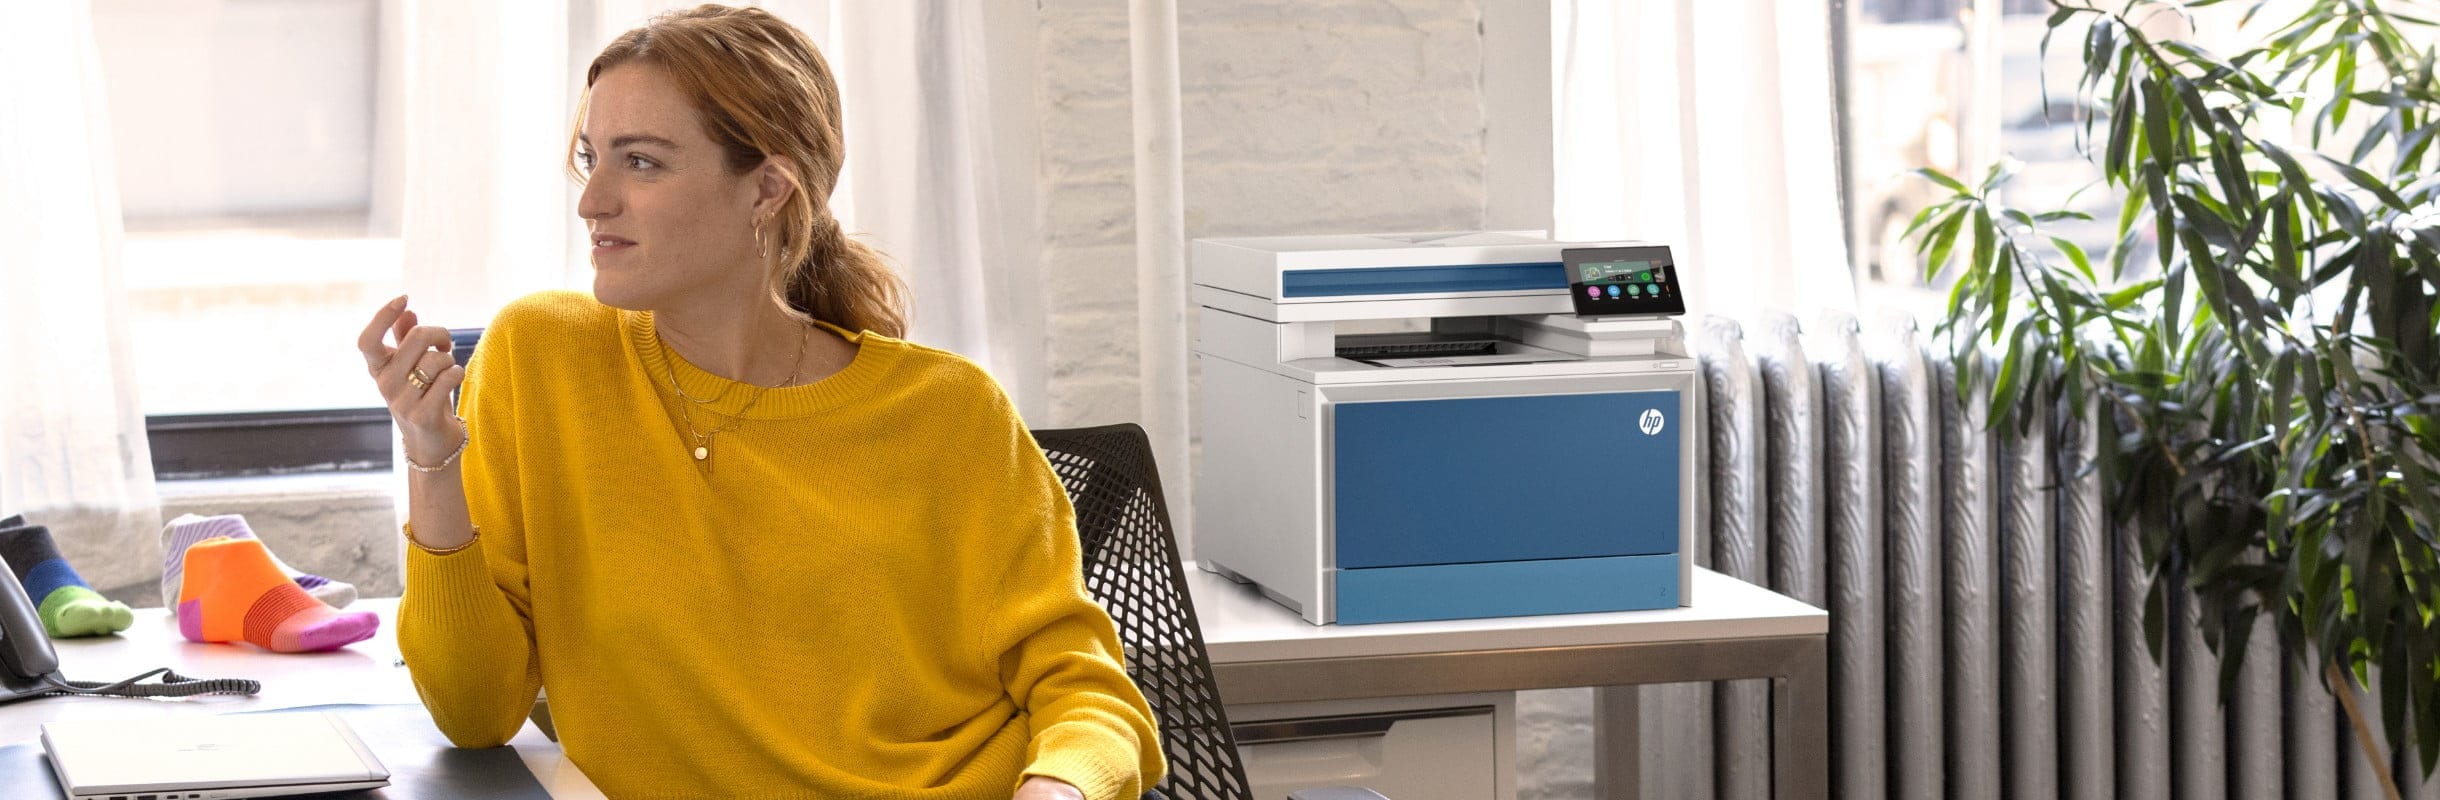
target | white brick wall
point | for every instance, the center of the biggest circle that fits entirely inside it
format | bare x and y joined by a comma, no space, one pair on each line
1301,116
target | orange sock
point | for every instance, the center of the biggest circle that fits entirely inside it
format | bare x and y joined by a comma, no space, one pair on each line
233,591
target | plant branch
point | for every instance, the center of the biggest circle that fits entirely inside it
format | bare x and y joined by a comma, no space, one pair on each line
2345,689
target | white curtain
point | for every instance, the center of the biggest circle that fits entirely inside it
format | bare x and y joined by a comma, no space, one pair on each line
1707,124
488,213
930,181
938,102
72,449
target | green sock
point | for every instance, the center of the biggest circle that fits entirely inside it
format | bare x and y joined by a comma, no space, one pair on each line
68,607
73,611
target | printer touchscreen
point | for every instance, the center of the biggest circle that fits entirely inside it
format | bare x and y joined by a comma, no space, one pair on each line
1612,281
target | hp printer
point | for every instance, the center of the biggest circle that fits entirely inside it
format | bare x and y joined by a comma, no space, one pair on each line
1425,426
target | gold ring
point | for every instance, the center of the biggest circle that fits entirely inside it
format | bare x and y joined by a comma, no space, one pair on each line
418,379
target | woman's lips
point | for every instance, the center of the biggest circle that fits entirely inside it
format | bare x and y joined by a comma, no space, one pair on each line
605,245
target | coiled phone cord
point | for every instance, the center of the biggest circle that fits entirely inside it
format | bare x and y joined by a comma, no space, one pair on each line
172,685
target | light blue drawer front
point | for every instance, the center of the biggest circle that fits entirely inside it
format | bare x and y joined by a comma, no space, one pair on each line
1466,480
1507,589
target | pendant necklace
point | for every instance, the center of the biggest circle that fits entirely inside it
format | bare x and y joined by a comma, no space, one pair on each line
703,439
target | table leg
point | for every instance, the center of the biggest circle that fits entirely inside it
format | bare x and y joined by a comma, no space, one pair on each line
1617,742
1800,725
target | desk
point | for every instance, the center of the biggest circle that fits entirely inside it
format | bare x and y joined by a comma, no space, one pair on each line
367,672
1263,653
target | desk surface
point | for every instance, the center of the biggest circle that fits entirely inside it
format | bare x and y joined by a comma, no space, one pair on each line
367,672
1240,625
1241,628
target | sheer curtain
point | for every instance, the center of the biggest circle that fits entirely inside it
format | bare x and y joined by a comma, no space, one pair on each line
939,166
1708,125
72,449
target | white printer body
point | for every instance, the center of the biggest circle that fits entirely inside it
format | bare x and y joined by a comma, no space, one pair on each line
1517,458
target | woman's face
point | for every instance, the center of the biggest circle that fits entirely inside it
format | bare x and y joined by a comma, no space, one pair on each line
670,224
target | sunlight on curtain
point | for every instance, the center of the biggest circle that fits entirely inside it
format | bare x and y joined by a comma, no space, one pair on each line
72,449
488,213
1708,125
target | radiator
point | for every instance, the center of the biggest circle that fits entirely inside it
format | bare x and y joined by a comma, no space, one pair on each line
1986,634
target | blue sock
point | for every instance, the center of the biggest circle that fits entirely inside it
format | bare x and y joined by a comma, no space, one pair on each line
67,606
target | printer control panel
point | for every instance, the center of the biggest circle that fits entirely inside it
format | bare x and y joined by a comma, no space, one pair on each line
1610,281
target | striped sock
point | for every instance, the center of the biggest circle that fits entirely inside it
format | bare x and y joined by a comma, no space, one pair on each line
233,592
67,606
187,529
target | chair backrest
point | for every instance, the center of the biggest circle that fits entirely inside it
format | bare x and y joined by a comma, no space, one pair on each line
1131,567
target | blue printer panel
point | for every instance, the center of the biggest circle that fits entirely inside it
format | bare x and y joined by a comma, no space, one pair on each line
1491,479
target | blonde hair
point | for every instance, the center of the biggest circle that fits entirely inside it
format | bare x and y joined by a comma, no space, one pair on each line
764,90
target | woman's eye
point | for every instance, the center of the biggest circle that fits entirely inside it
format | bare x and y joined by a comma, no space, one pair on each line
638,162
584,162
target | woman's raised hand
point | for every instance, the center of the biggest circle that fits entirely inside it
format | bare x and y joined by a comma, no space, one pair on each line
415,371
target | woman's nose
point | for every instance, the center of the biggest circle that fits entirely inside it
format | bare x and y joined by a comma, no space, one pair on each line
595,202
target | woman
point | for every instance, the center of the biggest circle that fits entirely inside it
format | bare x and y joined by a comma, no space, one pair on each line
752,544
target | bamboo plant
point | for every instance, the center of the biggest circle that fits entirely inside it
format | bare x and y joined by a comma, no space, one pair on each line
2258,346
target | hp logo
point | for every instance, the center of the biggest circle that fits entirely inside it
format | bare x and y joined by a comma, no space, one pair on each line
1651,422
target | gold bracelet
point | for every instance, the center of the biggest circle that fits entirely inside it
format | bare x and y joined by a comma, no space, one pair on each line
409,530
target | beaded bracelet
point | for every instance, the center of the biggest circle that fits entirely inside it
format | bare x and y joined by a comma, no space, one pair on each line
465,437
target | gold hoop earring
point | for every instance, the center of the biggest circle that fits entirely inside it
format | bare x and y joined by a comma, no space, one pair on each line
759,248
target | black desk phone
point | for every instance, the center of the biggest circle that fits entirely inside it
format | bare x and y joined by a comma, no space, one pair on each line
29,668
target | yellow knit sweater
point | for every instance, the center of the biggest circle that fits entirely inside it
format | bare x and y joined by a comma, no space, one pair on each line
871,589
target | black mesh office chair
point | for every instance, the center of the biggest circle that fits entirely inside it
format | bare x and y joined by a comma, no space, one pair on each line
1131,567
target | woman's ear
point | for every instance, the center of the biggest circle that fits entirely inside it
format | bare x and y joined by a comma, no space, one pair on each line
774,180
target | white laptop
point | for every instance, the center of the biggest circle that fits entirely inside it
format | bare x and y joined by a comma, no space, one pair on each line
209,757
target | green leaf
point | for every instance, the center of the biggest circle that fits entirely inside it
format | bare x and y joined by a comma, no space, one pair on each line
1999,173
2123,114
2159,137
2342,208
1941,241
2003,290
2124,297
2285,266
2075,255
2005,391
2214,229
2365,181
2345,83
2287,165
1942,178
1986,243
1924,216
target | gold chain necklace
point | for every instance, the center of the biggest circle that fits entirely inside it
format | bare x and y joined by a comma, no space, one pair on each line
703,439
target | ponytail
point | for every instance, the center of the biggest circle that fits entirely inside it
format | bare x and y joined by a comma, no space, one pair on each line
843,282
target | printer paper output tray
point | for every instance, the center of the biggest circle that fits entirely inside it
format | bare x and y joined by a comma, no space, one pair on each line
1442,350
1508,353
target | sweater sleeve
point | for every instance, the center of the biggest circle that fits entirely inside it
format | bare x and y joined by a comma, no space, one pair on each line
465,624
1058,651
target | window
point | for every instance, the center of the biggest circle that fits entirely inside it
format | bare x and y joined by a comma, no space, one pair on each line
1928,85
1931,86
259,232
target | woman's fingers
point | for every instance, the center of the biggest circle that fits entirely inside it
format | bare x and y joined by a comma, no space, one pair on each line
428,368
436,404
412,343
369,342
399,328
